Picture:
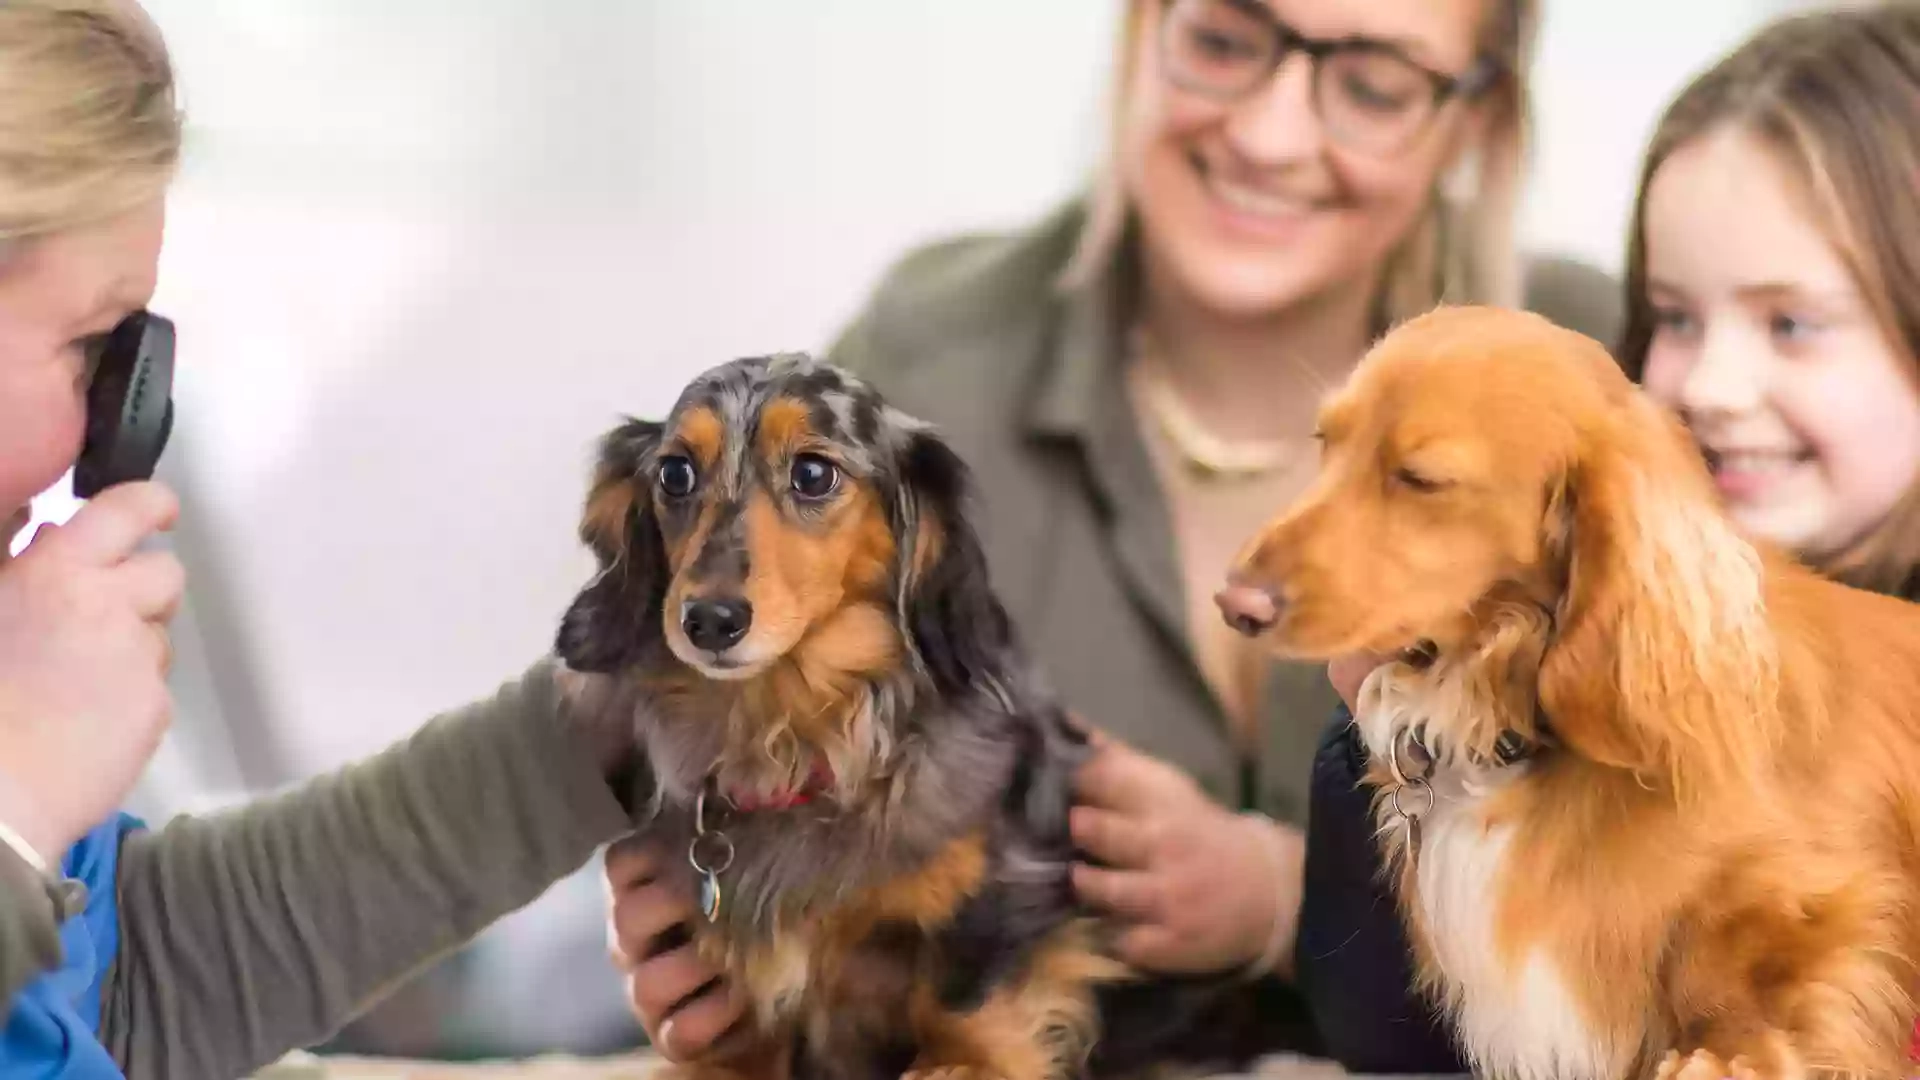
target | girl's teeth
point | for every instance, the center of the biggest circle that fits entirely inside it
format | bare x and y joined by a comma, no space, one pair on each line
1753,462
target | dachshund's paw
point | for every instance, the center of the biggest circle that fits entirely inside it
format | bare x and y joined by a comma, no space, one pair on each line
1705,1065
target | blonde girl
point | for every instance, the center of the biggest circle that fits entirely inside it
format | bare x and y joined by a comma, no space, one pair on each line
210,947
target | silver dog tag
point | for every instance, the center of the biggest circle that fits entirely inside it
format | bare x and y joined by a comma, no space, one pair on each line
1414,781
710,853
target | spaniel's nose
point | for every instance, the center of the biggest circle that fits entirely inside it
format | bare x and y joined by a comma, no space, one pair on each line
1248,609
717,624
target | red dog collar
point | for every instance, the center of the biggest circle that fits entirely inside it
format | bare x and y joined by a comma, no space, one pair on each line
818,779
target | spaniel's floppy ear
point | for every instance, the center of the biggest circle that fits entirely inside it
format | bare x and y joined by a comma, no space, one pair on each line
1662,661
948,612
618,612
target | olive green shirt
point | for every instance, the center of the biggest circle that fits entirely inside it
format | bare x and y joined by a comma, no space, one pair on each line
974,335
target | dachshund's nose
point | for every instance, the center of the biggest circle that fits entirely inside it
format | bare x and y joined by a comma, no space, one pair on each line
1248,609
717,624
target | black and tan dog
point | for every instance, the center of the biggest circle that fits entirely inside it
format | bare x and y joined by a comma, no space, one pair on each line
869,783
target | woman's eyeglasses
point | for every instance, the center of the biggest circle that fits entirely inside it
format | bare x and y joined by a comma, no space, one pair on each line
1368,94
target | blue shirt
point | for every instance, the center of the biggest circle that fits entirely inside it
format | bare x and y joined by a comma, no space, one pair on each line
53,1030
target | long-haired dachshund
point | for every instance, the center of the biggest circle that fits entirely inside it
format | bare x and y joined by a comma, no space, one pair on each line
869,785
1650,790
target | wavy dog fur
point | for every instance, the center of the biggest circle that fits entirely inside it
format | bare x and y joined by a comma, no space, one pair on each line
1711,865
892,776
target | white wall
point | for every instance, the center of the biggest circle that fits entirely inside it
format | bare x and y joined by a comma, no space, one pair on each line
1604,72
425,250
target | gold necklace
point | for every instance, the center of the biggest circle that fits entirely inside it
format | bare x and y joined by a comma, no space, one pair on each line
1203,452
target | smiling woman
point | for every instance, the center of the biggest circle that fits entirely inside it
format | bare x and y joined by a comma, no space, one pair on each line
1250,212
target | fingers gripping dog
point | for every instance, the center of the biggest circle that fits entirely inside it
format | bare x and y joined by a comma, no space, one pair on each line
869,783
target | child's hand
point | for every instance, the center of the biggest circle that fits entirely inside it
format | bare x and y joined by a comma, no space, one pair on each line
83,664
679,998
1350,671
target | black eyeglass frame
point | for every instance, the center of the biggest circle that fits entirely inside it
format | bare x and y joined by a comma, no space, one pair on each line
1475,81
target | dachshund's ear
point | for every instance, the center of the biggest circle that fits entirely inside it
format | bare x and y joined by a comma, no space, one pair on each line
1662,661
618,613
948,611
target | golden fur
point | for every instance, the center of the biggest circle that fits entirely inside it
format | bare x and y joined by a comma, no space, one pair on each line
1717,849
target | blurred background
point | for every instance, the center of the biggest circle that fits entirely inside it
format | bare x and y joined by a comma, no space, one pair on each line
425,251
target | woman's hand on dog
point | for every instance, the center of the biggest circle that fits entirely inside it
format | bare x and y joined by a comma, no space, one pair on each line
680,999
1197,887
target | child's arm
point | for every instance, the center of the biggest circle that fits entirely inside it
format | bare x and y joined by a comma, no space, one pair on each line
263,930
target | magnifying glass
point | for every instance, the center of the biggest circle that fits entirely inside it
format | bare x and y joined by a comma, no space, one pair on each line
129,405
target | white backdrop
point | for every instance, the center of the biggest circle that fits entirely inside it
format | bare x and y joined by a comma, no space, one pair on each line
425,250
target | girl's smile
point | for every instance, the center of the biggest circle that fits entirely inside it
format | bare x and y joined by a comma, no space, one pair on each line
1768,349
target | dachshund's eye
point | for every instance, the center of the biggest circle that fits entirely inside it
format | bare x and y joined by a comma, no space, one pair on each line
1414,481
677,478
814,477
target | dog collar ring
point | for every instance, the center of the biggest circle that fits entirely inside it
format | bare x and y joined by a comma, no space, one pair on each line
1407,744
1410,816
710,853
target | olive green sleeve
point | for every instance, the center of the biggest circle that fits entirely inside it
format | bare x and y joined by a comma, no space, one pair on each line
29,931
262,930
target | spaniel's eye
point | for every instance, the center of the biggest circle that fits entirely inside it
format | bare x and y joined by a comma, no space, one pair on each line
677,479
814,477
1414,481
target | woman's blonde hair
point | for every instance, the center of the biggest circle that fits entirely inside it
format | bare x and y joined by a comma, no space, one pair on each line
1461,251
88,122
1835,95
